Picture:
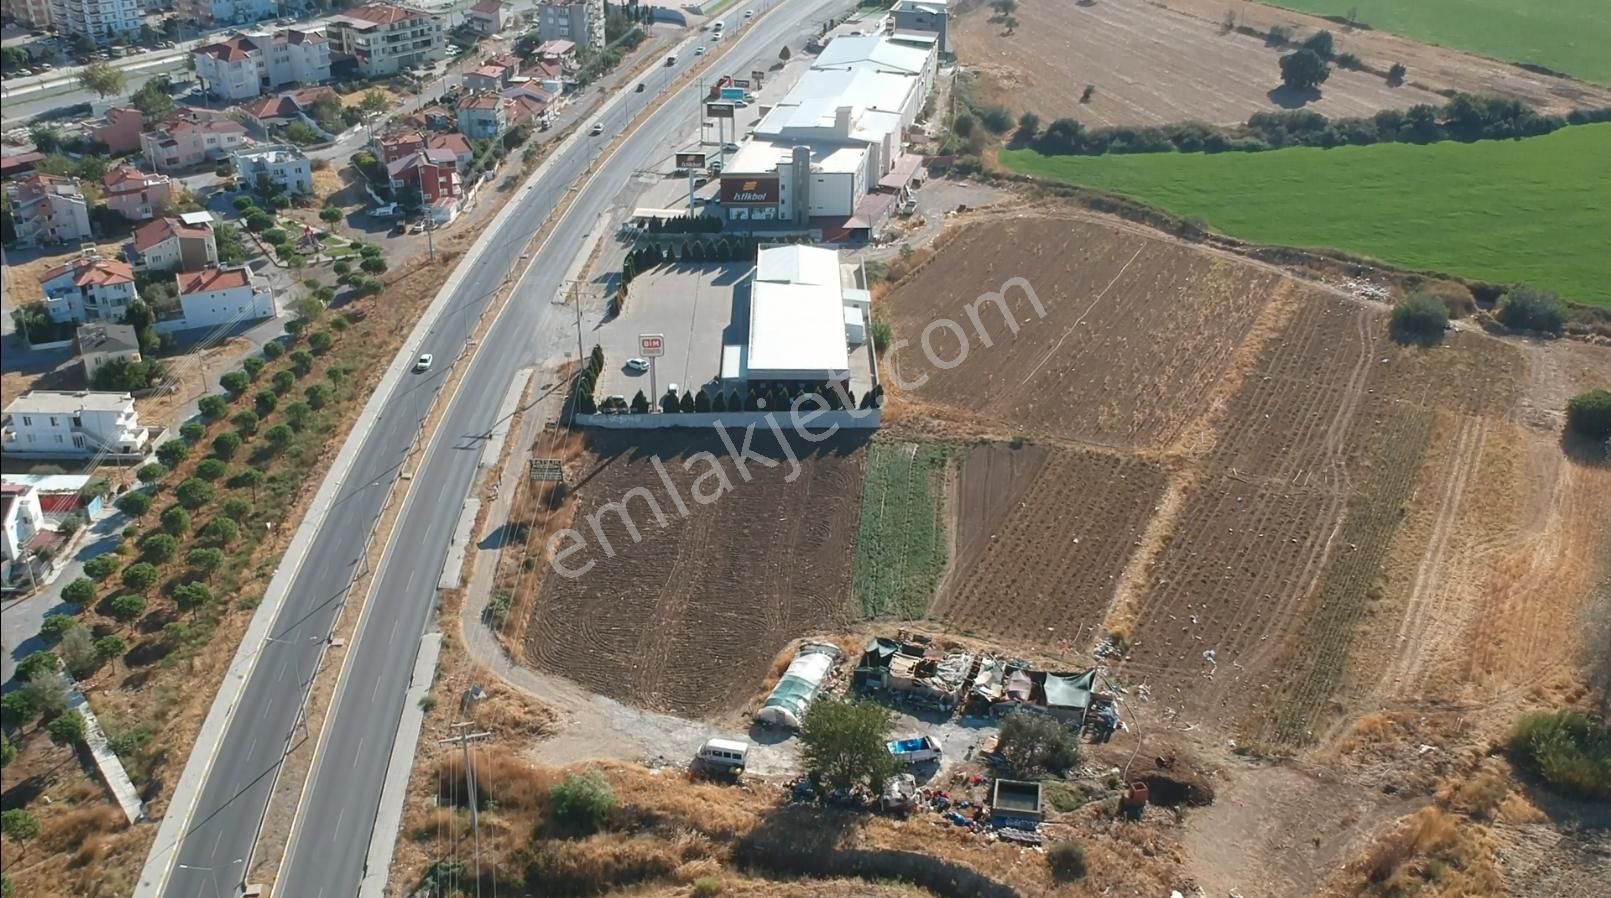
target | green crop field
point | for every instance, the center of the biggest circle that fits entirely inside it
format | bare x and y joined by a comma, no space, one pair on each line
901,543
1568,36
1536,210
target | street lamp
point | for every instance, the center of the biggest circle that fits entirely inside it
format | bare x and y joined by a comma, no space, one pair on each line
199,869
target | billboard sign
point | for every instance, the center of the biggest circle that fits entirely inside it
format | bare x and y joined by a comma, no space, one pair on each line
718,110
733,93
691,160
756,75
651,346
742,190
741,82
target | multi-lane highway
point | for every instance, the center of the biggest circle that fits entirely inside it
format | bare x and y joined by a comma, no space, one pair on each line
326,857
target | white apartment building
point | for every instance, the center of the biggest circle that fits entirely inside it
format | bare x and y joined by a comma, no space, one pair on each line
285,167
99,20
88,288
48,209
246,65
216,297
83,423
23,519
215,13
386,39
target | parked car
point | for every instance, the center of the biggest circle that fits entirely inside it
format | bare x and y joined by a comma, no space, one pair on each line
424,364
729,147
749,13
699,50
637,365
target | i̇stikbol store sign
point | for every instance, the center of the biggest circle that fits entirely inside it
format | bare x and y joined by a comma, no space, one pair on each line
749,191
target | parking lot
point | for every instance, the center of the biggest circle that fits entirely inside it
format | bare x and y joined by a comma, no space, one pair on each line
695,307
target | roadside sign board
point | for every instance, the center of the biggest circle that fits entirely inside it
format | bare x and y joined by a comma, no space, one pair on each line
756,75
741,82
733,93
651,346
691,160
744,190
718,110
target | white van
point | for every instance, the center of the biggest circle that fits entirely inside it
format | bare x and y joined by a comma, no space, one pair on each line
724,755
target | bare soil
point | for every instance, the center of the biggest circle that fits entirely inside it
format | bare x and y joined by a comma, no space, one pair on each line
688,618
1151,63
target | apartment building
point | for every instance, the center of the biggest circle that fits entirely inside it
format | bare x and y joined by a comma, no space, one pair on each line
169,243
383,39
100,344
48,209
579,21
483,116
190,138
218,13
28,13
245,65
22,523
88,288
214,297
134,194
98,20
284,166
82,423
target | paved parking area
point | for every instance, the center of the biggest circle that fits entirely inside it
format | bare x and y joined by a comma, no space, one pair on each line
695,307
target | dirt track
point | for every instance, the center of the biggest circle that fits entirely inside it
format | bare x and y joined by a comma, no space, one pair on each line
1153,65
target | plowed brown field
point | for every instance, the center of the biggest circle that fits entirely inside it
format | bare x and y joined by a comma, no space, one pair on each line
1136,331
688,619
1153,65
1042,537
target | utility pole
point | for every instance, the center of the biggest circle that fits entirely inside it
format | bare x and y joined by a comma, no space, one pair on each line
576,300
464,737
430,244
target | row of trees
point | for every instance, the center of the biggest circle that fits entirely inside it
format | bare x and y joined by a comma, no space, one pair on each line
758,399
1466,117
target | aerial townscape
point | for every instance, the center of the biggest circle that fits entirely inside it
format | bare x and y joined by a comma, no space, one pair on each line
805,449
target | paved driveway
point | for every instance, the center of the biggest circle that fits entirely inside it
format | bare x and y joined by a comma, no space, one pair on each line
19,620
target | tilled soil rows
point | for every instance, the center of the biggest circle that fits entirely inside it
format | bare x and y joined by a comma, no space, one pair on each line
686,617
1119,342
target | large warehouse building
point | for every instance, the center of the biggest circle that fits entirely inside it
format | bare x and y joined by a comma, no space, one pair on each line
830,153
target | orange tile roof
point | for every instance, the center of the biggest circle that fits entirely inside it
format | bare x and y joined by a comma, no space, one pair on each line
92,272
381,13
154,232
125,179
210,278
232,50
458,143
480,101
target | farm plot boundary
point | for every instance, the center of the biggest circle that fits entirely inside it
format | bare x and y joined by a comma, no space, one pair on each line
902,540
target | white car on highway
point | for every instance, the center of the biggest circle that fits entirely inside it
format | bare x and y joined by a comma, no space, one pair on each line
424,364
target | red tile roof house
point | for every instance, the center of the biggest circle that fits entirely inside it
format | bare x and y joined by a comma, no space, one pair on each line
168,244
283,109
397,146
134,194
435,172
483,116
488,17
191,138
220,297
120,129
88,288
18,164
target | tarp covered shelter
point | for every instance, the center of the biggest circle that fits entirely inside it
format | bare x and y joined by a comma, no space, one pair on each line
799,685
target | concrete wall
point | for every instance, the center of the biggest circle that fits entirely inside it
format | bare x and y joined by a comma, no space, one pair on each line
859,419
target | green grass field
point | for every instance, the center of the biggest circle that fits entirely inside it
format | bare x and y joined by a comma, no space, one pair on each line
1536,210
1568,36
901,542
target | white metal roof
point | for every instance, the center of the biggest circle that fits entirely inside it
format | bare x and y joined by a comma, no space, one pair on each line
796,264
51,402
871,48
797,330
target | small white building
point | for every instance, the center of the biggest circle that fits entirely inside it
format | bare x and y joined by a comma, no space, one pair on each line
44,423
23,520
88,288
215,297
285,167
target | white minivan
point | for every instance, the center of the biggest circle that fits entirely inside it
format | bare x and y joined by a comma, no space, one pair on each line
724,755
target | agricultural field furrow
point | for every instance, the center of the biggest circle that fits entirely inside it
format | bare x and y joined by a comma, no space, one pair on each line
1045,572
687,618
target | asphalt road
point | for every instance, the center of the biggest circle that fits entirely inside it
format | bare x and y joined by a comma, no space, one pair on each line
327,856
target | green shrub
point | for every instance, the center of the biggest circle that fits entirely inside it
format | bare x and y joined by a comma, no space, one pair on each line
176,521
1571,751
582,803
226,444
172,452
1528,308
192,431
54,625
204,560
1066,860
246,422
151,473
19,825
1420,318
140,575
158,548
1031,743
235,508
82,590
194,493
98,568
133,504
210,469
1589,414
273,350
67,728
212,407
707,887
127,608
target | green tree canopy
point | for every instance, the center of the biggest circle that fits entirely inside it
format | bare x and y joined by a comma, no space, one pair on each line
1589,414
844,743
103,79
1304,70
